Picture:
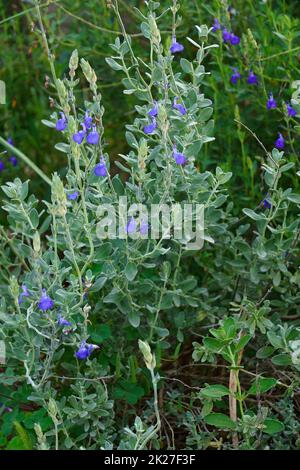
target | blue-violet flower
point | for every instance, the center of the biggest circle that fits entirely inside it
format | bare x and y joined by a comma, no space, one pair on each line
176,46
179,107
280,142
216,25
80,135
179,158
271,103
24,293
73,196
252,78
235,76
61,123
45,303
154,110
150,128
85,350
93,137
290,110
100,169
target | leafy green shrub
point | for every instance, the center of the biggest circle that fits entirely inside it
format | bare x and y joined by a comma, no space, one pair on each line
93,325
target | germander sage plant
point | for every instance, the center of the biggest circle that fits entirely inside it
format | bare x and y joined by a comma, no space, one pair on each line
63,287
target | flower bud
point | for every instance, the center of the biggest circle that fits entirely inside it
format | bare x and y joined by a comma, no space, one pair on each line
61,90
14,287
73,63
149,358
88,72
36,242
58,196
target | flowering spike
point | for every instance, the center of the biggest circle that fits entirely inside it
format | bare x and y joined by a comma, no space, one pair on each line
280,142
252,78
93,137
150,128
45,303
179,158
2,166
271,103
179,107
61,123
176,46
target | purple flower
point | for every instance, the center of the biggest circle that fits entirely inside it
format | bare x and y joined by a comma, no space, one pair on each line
62,321
144,227
61,123
85,350
267,203
252,78
73,196
234,40
131,226
290,110
179,158
280,142
154,110
13,160
226,35
216,25
179,107
150,128
100,169
24,293
235,76
271,103
93,137
80,135
88,120
45,303
176,46
2,166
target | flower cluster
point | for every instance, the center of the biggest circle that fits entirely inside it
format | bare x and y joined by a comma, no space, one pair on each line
252,79
149,129
46,303
227,36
